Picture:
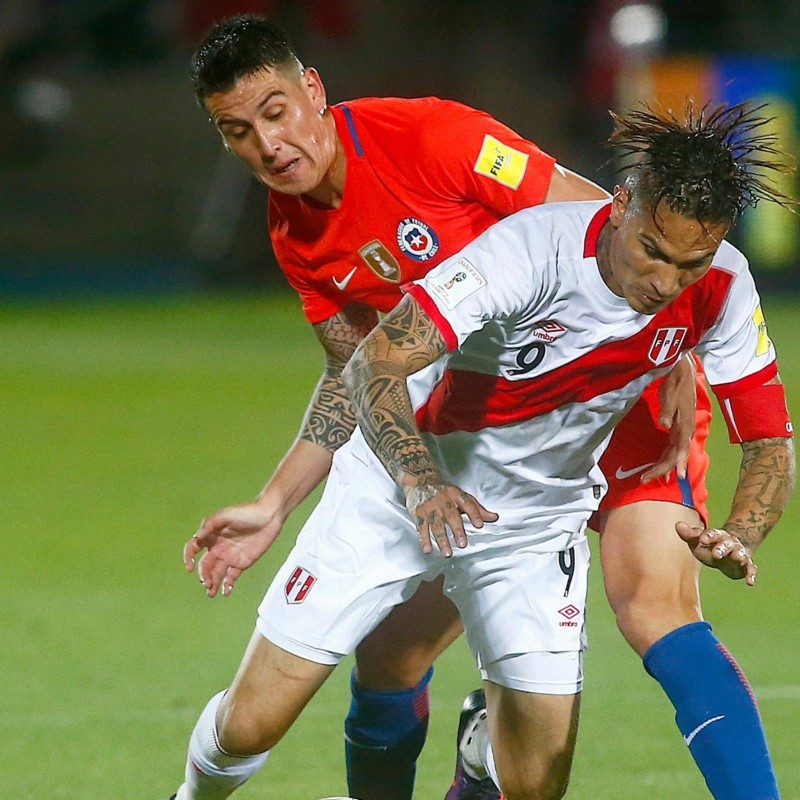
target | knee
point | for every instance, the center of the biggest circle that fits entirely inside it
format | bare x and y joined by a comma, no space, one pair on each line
242,731
552,788
645,617
383,666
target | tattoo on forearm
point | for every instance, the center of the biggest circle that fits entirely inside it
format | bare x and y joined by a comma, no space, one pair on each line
406,341
766,482
329,420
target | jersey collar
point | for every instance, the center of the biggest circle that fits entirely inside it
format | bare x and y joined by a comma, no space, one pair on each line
593,230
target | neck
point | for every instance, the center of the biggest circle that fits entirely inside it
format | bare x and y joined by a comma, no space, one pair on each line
603,257
330,190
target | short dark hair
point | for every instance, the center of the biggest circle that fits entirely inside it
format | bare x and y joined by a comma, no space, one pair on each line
709,165
237,46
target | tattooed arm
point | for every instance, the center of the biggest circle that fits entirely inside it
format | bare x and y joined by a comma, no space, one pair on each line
766,481
237,536
405,342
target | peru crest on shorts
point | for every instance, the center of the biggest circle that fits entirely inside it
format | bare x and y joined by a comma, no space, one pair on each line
666,345
299,585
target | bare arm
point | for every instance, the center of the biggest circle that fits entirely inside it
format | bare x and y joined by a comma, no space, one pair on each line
237,536
767,478
405,342
568,185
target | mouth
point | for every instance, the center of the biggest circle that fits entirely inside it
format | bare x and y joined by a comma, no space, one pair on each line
651,303
285,169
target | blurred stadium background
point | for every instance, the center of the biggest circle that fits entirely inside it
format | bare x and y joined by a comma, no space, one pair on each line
146,329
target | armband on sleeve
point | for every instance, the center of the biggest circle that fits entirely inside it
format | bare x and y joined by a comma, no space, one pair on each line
758,413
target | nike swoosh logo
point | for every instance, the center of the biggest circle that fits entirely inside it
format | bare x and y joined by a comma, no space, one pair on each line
688,739
342,284
626,473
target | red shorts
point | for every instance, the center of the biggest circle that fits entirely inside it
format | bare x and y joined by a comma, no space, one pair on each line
638,443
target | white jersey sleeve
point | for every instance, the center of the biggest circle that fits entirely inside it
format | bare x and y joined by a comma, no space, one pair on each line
737,345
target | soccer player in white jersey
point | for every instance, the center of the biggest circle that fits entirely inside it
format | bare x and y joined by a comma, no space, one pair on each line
508,434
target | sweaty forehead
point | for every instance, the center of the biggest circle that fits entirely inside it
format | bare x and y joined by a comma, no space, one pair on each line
249,91
669,228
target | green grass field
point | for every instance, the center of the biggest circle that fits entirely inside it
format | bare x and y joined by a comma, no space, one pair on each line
123,424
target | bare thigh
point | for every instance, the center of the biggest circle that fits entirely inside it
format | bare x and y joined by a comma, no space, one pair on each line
533,740
398,653
269,691
650,575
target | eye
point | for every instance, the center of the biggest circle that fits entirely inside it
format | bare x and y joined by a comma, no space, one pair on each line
652,252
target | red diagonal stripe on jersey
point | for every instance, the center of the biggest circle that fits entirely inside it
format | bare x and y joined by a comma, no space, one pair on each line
471,401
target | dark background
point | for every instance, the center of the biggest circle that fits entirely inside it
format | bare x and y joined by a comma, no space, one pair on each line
112,180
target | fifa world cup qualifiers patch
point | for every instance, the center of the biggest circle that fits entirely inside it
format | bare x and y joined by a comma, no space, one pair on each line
764,342
501,163
456,283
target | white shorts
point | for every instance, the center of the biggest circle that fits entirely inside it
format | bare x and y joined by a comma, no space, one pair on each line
358,556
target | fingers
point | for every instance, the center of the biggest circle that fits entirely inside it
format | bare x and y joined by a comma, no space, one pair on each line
439,520
724,545
687,532
190,551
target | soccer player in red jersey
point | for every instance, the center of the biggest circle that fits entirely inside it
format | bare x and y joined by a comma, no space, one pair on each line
422,178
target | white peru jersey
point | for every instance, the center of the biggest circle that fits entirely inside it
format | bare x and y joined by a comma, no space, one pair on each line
545,360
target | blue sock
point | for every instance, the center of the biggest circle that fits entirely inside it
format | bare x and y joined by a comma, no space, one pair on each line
715,711
384,734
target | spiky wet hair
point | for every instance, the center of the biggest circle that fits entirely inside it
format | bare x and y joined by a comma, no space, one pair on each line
237,46
710,165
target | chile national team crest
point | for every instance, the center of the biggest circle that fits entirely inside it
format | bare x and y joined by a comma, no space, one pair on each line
666,345
416,239
299,585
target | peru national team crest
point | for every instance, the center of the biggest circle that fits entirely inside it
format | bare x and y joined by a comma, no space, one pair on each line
416,239
666,345
299,585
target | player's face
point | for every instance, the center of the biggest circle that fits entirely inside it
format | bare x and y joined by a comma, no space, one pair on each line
272,120
650,261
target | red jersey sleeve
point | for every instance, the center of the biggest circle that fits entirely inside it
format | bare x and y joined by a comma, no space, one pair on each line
465,153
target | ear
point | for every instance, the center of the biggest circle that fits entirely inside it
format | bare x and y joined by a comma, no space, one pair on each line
224,141
619,204
315,88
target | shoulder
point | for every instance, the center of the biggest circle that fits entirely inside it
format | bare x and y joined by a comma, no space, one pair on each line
563,226
730,259
404,116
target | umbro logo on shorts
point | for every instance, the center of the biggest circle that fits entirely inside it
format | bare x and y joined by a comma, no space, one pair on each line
570,612
299,585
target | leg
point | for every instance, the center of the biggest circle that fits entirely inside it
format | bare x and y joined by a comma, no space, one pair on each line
235,732
525,628
388,719
651,577
651,580
533,741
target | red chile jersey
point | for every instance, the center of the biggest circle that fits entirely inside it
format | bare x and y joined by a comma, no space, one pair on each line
545,360
424,178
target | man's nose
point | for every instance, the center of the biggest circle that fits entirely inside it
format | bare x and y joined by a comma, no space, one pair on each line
666,282
269,143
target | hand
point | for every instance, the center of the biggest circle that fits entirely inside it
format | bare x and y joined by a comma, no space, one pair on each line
717,548
234,539
678,397
436,508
